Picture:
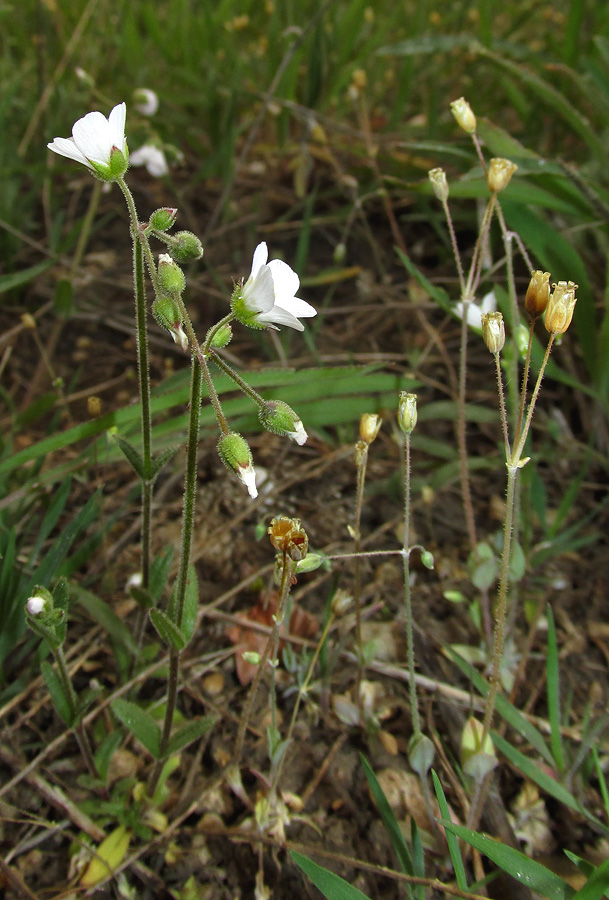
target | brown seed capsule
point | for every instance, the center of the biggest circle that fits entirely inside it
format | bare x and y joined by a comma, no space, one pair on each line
289,537
464,115
493,331
499,174
369,427
439,184
538,294
560,307
94,406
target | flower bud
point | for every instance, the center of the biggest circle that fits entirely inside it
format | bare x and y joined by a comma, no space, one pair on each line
439,184
462,112
493,331
499,174
167,313
185,247
560,307
277,417
94,407
163,219
171,277
289,537
235,453
35,605
538,294
369,427
341,602
145,101
222,337
407,412
421,752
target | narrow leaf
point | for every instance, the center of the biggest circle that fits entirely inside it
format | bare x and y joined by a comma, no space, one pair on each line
55,687
389,820
191,732
140,724
106,750
332,886
596,885
168,632
160,460
451,840
132,455
520,867
99,610
552,669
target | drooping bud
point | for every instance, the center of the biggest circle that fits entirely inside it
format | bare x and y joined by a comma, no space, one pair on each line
369,427
171,277
185,247
236,455
222,337
407,412
288,536
163,219
560,307
277,417
167,313
499,174
421,752
493,331
439,184
538,294
145,101
464,115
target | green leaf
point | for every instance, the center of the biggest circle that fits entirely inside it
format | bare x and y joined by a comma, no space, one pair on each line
132,455
142,597
520,867
16,279
553,694
191,732
106,750
389,820
596,885
191,604
55,687
159,572
63,299
99,610
332,886
140,723
160,460
168,632
451,840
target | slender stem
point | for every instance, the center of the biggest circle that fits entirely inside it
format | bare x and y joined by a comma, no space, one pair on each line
466,495
361,461
414,707
525,380
455,246
239,381
525,429
79,728
213,396
188,514
504,423
286,582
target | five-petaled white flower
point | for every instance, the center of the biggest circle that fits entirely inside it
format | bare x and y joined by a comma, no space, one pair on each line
152,157
268,297
98,143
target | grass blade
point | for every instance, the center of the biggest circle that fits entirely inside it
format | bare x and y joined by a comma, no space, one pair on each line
553,693
332,886
451,840
389,820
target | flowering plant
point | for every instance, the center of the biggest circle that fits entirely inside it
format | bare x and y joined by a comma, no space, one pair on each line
98,143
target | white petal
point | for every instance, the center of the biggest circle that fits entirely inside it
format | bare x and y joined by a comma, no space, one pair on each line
248,477
259,293
67,147
282,317
489,302
261,254
300,435
296,306
116,121
92,137
152,157
286,280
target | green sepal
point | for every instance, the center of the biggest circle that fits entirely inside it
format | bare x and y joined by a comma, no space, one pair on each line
140,723
167,630
132,455
55,687
190,733
43,631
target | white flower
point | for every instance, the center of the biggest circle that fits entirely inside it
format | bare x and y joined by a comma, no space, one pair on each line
247,474
146,101
269,295
474,312
152,157
299,435
98,143
35,605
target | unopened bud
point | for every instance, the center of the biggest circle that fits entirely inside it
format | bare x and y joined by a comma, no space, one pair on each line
167,313
369,427
289,537
462,112
407,412
35,605
538,294
499,174
163,219
236,455
560,307
185,247
28,321
493,331
145,101
421,752
439,184
278,418
171,277
222,337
